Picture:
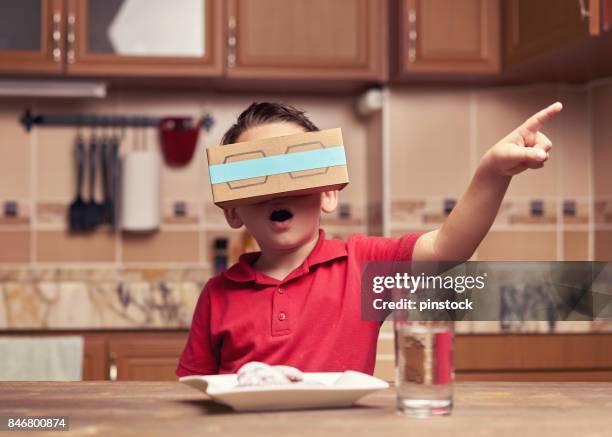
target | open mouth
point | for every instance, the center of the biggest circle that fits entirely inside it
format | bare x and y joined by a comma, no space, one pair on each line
281,215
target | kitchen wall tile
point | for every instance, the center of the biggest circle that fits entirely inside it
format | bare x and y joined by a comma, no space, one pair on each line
15,152
603,245
14,212
572,144
181,212
163,246
518,246
520,211
430,133
162,103
430,143
55,163
238,242
602,139
184,183
498,112
14,246
583,211
213,216
575,246
409,211
62,246
603,211
55,213
56,166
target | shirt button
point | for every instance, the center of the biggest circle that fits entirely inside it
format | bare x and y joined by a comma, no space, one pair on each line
282,316
281,291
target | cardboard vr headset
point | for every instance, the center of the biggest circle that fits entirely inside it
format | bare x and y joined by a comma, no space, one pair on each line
258,170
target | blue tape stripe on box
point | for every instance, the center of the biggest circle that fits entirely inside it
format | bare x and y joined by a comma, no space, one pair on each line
277,164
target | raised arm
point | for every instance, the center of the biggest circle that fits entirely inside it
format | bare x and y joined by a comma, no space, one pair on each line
470,220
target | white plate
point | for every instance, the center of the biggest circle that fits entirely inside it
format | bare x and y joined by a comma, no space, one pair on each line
338,389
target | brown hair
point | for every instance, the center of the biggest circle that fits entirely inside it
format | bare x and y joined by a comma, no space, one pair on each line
267,112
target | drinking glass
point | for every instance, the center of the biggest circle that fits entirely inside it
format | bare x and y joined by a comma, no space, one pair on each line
424,367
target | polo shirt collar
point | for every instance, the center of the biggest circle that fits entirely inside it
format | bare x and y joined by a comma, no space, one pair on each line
324,251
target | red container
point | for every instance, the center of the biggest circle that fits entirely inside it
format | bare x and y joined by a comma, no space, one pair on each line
444,358
178,140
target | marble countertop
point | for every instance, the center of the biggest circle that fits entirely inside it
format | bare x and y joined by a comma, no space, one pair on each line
152,298
99,298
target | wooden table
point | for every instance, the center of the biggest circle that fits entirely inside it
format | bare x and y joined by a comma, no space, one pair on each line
169,408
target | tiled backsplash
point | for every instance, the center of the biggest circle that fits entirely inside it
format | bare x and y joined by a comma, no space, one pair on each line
38,174
560,212
436,138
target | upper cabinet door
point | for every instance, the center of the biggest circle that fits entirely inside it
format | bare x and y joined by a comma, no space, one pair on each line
31,36
449,37
144,37
537,27
606,17
307,39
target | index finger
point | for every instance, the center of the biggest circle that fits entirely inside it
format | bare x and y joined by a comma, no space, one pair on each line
536,121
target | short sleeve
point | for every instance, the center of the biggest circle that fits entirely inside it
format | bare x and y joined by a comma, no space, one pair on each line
383,248
199,356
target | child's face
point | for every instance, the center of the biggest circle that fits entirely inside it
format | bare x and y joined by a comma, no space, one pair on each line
284,222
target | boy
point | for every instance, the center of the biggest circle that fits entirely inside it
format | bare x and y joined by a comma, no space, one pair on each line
297,302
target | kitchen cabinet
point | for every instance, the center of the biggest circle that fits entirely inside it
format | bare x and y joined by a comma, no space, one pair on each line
151,357
557,40
95,358
307,39
606,16
125,355
544,26
154,355
31,36
536,357
519,357
143,38
448,37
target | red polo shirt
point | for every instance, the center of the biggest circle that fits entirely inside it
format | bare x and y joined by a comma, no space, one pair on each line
310,320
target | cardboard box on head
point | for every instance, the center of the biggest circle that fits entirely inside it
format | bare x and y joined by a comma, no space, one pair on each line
258,170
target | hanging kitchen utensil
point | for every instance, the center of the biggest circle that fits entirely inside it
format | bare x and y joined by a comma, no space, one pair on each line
78,206
140,189
179,138
92,212
107,206
113,164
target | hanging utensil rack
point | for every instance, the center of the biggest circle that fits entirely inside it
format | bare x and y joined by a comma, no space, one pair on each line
29,119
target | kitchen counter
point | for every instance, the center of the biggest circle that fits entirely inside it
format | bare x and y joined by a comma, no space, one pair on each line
169,408
119,299
106,298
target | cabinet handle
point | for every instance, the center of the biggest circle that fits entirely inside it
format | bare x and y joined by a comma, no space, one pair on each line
71,38
584,12
112,368
412,35
57,36
231,42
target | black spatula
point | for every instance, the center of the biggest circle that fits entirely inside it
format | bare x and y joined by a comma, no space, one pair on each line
107,205
92,211
77,207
